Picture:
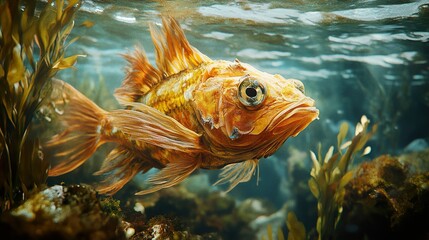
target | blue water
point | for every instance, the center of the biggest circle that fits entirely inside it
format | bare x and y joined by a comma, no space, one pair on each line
369,57
354,57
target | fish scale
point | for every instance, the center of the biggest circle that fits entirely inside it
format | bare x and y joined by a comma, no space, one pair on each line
173,103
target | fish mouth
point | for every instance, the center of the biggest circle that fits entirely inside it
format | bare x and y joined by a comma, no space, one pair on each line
294,118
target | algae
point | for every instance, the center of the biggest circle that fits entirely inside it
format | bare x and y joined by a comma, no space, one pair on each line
111,206
295,227
387,200
61,212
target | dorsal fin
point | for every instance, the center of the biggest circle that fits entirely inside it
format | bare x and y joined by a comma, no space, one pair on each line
173,51
140,77
173,55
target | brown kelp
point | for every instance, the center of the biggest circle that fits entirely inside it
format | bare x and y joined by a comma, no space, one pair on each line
295,227
32,51
330,175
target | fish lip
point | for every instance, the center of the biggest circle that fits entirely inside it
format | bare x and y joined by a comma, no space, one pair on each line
302,111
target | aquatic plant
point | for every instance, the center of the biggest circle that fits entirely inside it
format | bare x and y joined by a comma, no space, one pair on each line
32,51
296,229
330,174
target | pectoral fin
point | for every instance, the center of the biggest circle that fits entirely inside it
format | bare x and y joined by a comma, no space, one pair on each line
237,173
150,126
172,174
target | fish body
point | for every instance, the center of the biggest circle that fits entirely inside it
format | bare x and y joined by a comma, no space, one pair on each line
189,112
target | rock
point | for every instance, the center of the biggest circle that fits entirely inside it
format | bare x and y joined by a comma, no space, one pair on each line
61,212
386,200
177,213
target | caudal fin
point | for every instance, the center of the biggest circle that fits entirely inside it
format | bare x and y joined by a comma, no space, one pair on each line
81,119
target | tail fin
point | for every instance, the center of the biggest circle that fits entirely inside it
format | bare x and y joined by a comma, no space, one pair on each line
81,119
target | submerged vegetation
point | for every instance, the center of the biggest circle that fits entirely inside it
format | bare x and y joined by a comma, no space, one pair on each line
32,51
330,175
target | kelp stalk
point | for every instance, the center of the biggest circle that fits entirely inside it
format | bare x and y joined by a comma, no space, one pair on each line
32,49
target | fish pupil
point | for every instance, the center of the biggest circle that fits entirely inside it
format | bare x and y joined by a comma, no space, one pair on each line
251,92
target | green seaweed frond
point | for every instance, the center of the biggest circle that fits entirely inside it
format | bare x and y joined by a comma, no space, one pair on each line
32,51
330,174
295,227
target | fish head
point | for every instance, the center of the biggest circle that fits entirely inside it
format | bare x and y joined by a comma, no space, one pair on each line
247,113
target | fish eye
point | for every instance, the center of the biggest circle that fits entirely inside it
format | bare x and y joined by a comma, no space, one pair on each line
251,92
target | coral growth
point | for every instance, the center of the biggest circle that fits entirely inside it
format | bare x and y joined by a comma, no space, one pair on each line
211,215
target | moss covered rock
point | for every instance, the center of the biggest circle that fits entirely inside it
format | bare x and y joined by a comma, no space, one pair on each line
387,201
61,212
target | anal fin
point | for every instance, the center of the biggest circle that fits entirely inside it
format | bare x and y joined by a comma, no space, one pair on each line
172,174
120,166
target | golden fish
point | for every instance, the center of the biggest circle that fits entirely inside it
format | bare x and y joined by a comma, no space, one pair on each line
189,112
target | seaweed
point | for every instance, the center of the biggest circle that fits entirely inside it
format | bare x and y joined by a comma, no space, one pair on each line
330,174
296,229
32,51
